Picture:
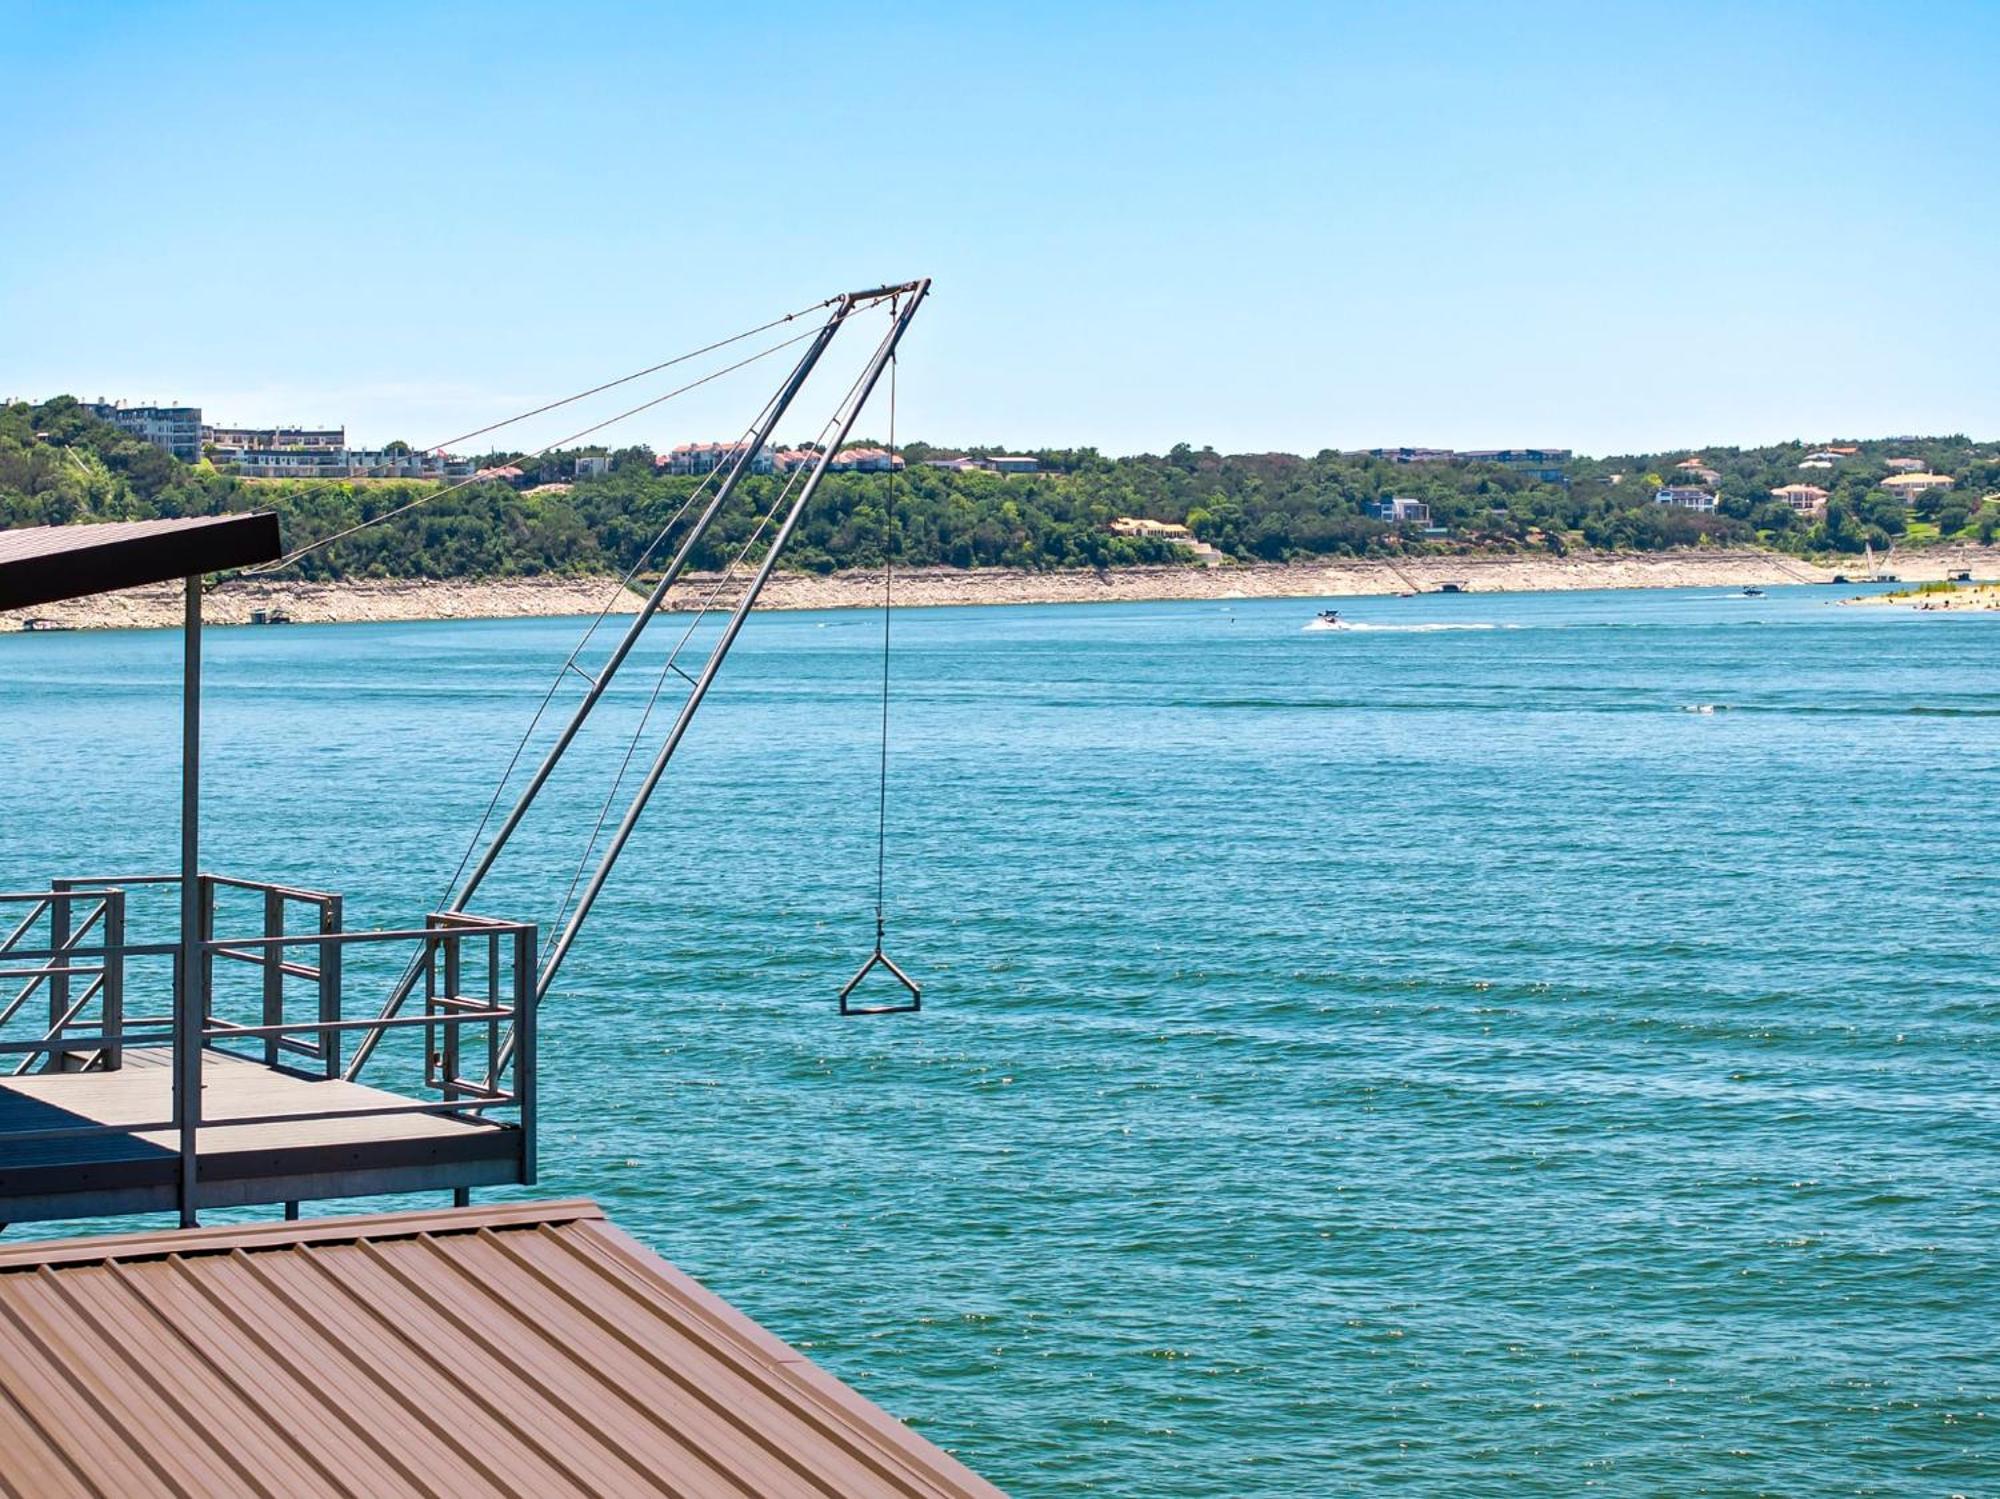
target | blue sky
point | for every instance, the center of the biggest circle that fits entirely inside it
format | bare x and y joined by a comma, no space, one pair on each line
1261,226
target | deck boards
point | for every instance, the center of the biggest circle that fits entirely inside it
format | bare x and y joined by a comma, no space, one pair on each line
403,1152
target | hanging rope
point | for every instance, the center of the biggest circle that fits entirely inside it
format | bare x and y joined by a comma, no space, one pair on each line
888,588
878,958
672,666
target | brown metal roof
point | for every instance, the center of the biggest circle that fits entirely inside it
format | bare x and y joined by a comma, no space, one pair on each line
42,564
529,1349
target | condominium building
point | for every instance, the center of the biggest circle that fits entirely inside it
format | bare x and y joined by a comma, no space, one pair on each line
173,429
1404,455
865,461
707,457
273,439
341,463
1549,465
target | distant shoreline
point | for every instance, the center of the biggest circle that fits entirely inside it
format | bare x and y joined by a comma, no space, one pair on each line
390,599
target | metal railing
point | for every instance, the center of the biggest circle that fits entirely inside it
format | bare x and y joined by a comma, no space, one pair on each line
478,986
62,957
275,967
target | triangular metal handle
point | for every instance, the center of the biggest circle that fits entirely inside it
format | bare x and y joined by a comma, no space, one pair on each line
878,958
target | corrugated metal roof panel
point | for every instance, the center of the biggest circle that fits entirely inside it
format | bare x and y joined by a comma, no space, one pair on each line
44,564
526,1349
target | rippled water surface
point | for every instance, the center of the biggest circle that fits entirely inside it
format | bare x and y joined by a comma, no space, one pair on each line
1553,1053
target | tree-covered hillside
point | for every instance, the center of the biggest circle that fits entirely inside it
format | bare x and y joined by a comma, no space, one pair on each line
58,464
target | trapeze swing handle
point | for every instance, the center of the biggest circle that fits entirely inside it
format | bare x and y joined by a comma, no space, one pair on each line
880,959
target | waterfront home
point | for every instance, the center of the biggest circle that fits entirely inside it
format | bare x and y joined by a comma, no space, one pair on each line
1166,530
1396,511
1139,525
1806,499
1905,465
1908,486
1013,463
1685,497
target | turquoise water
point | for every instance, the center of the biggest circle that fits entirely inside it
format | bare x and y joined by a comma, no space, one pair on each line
1542,1043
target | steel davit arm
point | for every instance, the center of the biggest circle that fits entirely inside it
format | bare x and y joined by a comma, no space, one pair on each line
760,437
877,363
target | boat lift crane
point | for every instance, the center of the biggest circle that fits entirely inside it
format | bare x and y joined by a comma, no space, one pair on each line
904,299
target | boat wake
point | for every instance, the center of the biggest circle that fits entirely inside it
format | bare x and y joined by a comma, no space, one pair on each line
1434,627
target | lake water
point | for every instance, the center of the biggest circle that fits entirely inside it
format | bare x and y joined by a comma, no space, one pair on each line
1534,1044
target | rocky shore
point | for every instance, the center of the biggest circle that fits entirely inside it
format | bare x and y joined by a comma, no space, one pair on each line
382,599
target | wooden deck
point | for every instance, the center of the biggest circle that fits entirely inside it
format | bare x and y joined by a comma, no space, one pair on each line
324,1156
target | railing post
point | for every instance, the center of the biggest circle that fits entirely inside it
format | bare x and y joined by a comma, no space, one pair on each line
114,980
432,1060
274,973
205,885
59,924
329,983
452,971
493,966
525,991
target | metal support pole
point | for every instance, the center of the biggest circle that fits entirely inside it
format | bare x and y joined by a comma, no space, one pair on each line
873,373
190,1003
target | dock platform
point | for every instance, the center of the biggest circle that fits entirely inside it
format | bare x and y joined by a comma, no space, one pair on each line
332,1140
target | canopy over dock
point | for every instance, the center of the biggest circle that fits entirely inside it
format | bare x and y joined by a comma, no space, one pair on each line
531,1350
47,564
183,1041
